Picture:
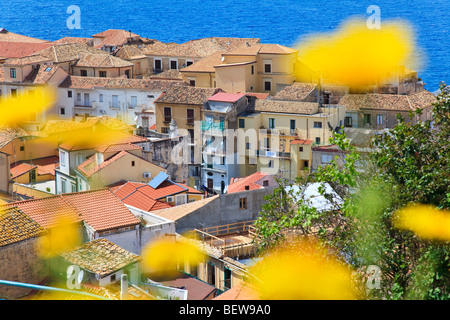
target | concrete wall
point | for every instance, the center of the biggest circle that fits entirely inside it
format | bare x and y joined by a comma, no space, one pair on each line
4,172
224,210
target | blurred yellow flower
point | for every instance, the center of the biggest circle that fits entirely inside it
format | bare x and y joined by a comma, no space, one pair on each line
302,272
63,236
357,56
426,221
26,106
165,255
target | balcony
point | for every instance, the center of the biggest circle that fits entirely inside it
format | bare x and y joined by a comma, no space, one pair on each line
213,128
272,154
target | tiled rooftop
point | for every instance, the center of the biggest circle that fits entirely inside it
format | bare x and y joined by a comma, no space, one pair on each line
77,82
114,37
16,226
100,209
354,102
9,134
20,169
101,257
90,166
41,74
9,49
251,182
97,60
8,36
186,95
298,91
226,97
280,106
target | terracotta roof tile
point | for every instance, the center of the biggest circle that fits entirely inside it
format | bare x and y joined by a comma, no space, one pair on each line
298,91
101,257
355,102
251,182
41,74
20,169
280,106
78,82
114,37
100,209
97,60
16,226
186,95
8,36
10,49
90,166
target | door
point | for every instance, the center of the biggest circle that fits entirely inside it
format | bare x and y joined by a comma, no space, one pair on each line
86,99
181,199
210,183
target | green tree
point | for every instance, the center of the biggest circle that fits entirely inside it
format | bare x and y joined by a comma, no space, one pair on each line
410,163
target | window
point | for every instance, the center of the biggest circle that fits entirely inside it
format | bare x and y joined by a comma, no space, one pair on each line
12,72
13,92
188,63
164,129
243,203
132,163
267,143
265,183
348,121
69,94
267,85
192,82
73,186
87,101
241,123
158,66
83,73
190,116
62,158
253,69
102,74
145,122
379,119
292,124
367,118
32,175
167,114
317,124
63,185
127,74
115,101
22,148
267,68
79,97
100,97
191,134
173,64
270,164
271,123
248,145
317,140
300,149
133,101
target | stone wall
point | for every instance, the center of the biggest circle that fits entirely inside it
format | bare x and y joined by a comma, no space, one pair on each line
20,262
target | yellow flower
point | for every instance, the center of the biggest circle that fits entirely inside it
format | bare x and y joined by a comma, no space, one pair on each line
426,221
165,255
25,106
63,236
357,56
302,272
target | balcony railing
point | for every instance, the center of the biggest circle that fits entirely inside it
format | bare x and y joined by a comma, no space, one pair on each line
213,127
273,154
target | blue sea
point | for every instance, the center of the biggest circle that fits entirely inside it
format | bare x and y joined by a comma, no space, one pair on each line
281,21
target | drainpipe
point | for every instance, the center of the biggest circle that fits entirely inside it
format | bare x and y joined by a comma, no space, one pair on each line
123,287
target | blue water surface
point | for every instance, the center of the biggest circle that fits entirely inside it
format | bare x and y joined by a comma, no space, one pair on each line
280,21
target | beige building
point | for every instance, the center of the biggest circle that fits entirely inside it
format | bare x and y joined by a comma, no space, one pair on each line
256,68
277,137
102,65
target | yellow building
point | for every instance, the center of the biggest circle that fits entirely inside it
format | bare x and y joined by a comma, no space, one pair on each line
256,68
277,137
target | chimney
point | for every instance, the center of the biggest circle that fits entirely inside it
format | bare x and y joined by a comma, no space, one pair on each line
123,287
247,43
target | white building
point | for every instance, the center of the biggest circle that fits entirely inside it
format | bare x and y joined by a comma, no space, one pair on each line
129,100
